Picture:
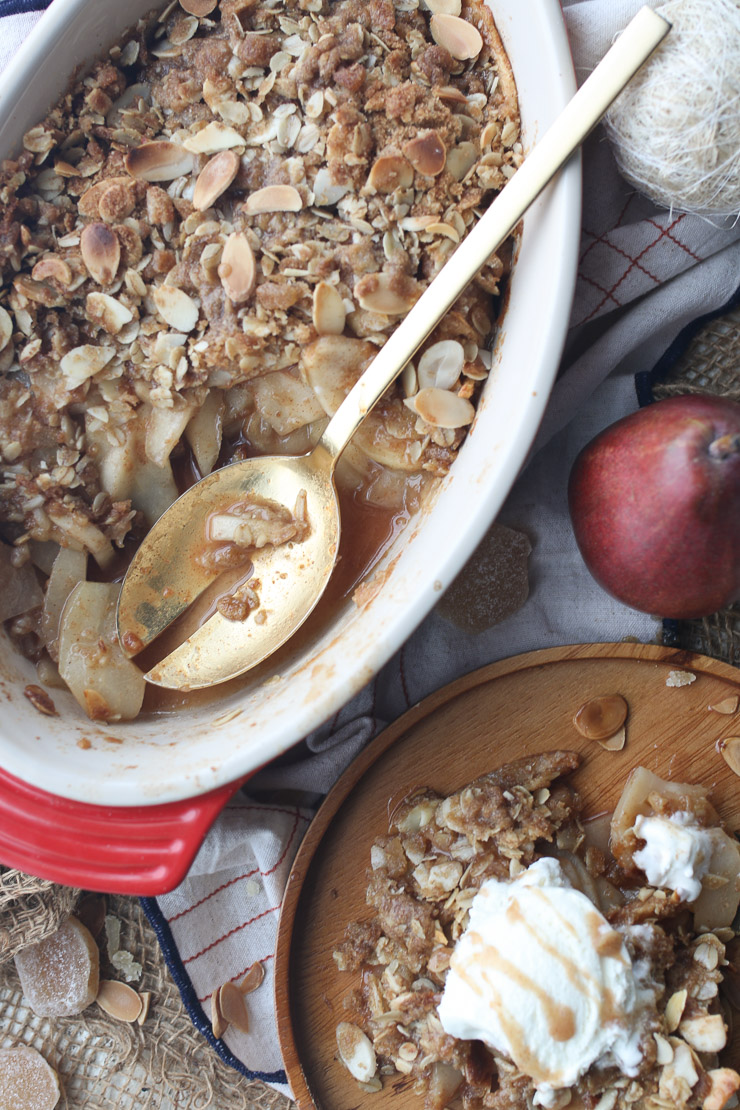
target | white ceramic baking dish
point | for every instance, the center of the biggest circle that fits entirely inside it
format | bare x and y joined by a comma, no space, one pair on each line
155,778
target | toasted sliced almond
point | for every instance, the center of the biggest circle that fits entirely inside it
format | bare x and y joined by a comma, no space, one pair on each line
727,706
52,268
445,229
390,172
101,252
329,313
356,1051
375,293
159,160
146,1001
215,178
729,749
253,978
441,408
663,1048
449,92
108,311
183,31
119,1000
441,365
218,1023
444,7
273,198
599,718
84,362
460,158
198,7
213,137
232,1006
89,203
426,153
705,1033
237,269
725,1082
176,308
674,1010
616,742
417,223
458,37
325,191
6,328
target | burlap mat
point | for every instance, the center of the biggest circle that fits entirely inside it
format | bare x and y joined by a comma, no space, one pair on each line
163,1065
166,1064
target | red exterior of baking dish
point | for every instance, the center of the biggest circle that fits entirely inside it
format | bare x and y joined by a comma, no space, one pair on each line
142,850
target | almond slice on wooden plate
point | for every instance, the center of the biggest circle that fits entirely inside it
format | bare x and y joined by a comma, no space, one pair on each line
119,1000
602,717
159,160
356,1051
175,307
329,313
727,706
729,748
253,978
458,37
616,742
441,408
215,178
426,153
390,172
273,198
101,252
237,268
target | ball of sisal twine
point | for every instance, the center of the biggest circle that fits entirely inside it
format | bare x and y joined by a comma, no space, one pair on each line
675,130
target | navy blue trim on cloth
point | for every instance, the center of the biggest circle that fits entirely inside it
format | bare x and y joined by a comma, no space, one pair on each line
646,379
21,7
158,922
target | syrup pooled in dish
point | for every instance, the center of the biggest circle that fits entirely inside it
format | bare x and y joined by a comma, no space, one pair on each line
509,963
203,245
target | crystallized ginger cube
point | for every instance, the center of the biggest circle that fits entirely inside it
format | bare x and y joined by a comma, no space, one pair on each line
59,975
27,1082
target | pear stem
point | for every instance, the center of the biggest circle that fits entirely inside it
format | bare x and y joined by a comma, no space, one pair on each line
725,446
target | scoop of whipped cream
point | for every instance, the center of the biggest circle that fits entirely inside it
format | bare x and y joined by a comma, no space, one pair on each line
541,976
677,852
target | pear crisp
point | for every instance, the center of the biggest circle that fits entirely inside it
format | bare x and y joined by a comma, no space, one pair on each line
204,244
514,956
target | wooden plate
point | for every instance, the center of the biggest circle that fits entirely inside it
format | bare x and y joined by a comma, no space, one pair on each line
519,706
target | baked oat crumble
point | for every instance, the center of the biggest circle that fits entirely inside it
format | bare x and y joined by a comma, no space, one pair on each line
209,237
427,873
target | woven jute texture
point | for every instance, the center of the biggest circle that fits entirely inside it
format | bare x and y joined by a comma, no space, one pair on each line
165,1064
710,364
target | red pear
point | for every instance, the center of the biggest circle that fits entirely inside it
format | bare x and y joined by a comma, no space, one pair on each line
655,505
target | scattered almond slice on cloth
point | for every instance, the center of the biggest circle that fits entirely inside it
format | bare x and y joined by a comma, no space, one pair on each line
493,585
27,1082
59,975
119,1000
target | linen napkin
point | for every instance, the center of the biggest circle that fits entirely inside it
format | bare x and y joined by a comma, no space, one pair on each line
647,280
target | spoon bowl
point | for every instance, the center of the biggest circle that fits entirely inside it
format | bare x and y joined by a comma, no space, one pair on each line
165,576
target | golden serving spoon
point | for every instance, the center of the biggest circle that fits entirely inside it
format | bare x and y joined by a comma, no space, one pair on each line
165,575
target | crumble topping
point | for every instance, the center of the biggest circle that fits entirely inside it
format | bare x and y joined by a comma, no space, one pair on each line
426,874
210,236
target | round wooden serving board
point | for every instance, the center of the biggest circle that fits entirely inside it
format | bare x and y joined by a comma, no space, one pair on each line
519,706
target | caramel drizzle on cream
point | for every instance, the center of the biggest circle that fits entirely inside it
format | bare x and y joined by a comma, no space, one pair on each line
559,1017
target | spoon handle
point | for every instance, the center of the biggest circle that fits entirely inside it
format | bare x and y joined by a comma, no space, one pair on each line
631,50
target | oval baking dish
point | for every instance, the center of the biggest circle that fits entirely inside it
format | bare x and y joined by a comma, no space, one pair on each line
136,798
